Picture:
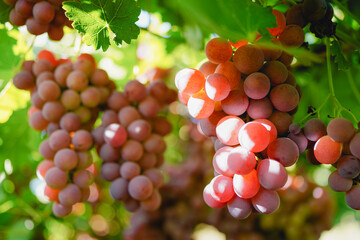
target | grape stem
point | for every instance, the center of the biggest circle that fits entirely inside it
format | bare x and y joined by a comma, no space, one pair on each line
317,111
337,107
353,85
346,11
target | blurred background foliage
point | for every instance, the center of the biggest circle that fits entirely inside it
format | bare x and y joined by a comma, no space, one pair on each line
173,35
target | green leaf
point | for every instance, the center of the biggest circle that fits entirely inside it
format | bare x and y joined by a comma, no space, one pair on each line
98,20
8,59
4,12
232,19
336,50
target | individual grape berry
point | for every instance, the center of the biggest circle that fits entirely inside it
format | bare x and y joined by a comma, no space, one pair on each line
43,12
271,174
77,81
155,144
51,193
283,150
314,10
218,50
208,125
340,130
292,36
90,97
189,80
241,161
282,121
208,68
266,201
110,171
24,80
222,187
257,85
61,73
235,103
108,154
355,145
109,117
246,186
24,8
239,208
148,160
45,150
210,200
139,130
254,137
83,178
348,166
276,71
59,139
84,65
45,76
338,183
66,159
300,140
132,150
149,107
49,90
135,91
284,97
41,66
70,195
61,210
270,127
115,135
16,19
153,202
82,140
161,126
140,187
200,105
261,108
43,167
117,100
228,128
327,151
286,58
314,129
221,161
295,16
155,176
352,197
100,77
129,170
85,160
35,27
217,86
229,70
70,122
56,178
248,59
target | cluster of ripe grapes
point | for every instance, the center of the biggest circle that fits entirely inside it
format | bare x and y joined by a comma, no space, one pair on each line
244,101
66,98
318,12
39,17
131,143
182,206
337,144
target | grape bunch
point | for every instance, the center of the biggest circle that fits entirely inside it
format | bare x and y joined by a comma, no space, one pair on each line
39,17
338,144
130,141
244,102
66,98
305,206
318,12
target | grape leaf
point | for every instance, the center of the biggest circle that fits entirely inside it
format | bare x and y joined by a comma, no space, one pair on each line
8,59
4,12
99,19
230,19
336,50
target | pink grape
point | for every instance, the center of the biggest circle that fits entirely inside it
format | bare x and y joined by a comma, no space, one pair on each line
254,137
